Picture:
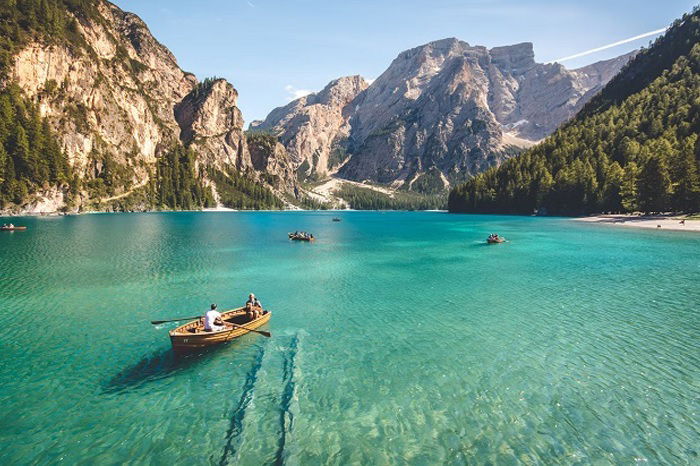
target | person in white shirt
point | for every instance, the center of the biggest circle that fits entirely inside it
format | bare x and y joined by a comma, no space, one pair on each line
213,321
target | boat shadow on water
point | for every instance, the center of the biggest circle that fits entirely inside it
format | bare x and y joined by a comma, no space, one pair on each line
165,363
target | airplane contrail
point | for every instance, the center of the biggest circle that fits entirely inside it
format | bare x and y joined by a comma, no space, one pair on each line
614,44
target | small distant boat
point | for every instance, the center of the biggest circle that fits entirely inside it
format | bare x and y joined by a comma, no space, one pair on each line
336,219
12,228
495,239
192,335
301,236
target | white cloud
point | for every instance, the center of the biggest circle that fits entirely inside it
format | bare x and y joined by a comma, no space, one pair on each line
614,44
295,93
250,4
370,80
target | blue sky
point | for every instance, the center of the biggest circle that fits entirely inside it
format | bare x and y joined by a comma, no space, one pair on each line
272,50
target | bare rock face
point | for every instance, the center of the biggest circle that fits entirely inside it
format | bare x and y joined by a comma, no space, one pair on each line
123,97
444,110
313,127
114,99
211,123
269,157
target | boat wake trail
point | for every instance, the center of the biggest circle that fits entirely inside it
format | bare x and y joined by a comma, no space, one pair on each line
236,425
286,415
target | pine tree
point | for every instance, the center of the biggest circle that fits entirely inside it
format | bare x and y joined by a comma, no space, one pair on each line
654,185
686,194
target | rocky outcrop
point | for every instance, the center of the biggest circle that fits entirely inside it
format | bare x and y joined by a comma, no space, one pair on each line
113,98
120,100
270,157
439,113
314,128
212,124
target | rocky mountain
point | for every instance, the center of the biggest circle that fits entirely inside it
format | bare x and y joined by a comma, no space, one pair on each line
314,127
118,102
440,113
634,147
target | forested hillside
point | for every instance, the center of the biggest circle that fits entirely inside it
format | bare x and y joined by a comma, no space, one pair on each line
30,157
634,147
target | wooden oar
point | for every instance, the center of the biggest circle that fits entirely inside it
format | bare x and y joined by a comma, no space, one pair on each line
261,332
156,322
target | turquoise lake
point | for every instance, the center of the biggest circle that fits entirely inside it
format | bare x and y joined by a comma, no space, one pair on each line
398,337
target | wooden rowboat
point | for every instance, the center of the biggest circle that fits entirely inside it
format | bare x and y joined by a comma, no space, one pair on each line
192,335
301,237
12,228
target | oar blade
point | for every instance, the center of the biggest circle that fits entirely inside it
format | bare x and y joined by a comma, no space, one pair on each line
157,322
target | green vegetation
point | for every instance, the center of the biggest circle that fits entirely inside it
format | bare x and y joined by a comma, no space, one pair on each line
634,147
261,140
238,191
369,199
45,20
302,171
338,155
203,87
429,182
30,156
177,186
309,203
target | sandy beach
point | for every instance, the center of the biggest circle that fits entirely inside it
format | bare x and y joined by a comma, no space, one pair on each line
667,222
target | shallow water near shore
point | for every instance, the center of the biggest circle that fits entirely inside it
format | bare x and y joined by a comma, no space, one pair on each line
397,337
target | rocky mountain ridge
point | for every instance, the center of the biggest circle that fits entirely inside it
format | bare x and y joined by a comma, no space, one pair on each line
633,148
439,113
118,101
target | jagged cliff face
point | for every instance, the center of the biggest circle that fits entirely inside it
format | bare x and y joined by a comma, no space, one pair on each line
444,111
115,98
314,128
212,124
121,99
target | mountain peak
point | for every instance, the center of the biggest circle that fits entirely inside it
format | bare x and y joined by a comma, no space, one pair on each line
447,43
443,107
342,90
515,59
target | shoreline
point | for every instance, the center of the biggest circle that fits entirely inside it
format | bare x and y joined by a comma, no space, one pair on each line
666,222
207,210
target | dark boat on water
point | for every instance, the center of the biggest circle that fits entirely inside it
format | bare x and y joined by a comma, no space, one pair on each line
301,236
336,219
495,239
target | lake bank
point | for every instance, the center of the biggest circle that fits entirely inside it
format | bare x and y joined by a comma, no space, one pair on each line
666,222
